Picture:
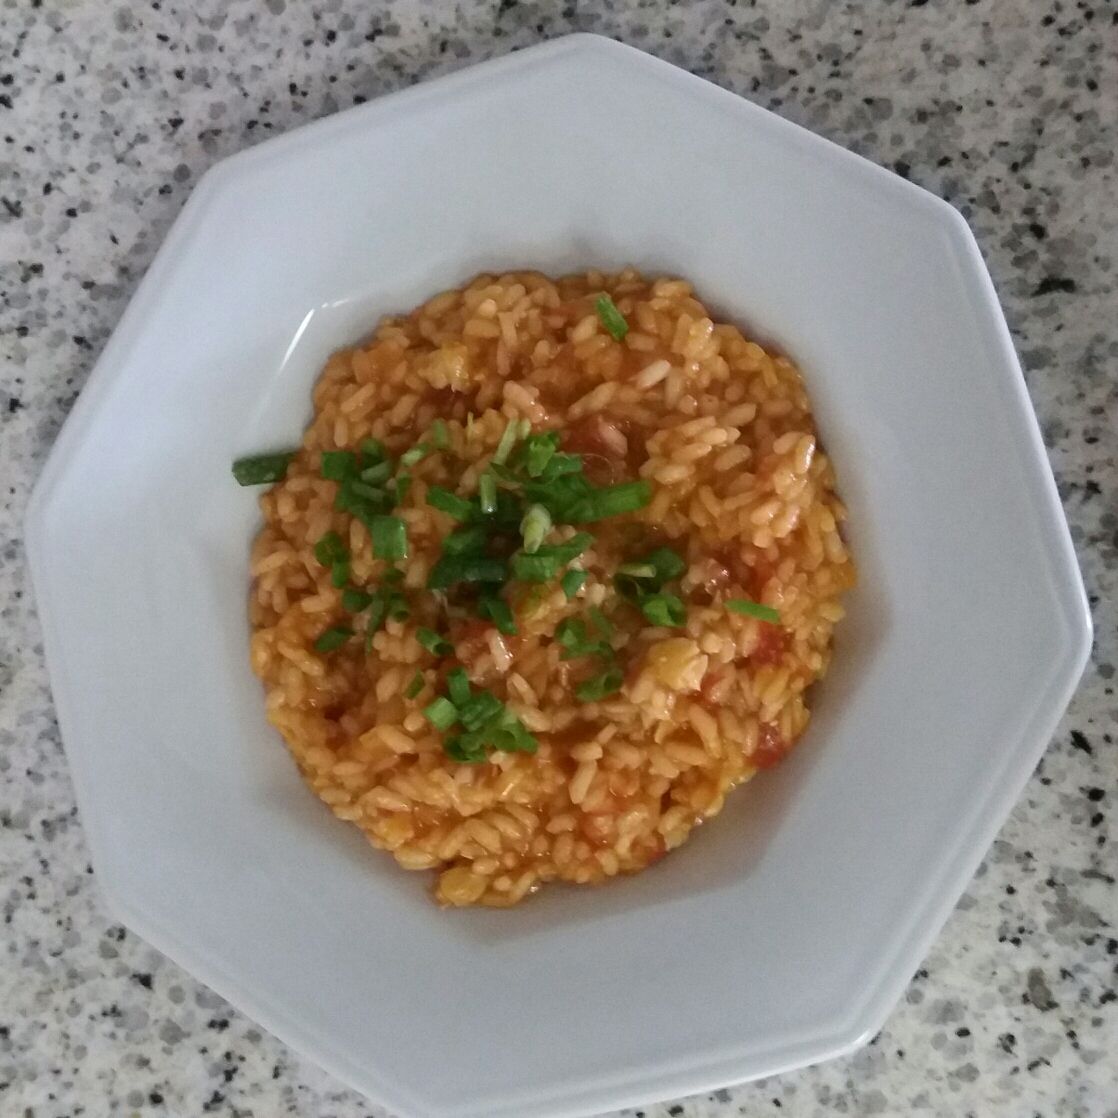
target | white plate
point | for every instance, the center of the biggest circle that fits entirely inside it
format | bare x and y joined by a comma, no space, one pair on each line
785,931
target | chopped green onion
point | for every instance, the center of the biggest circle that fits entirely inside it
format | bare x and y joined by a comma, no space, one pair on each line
535,568
465,540
333,638
572,582
337,465
397,607
441,713
450,503
373,449
377,474
417,684
262,469
436,645
356,600
538,451
572,634
664,609
497,610
637,570
480,709
753,609
416,454
535,525
611,318
508,440
466,749
601,622
390,538
613,500
458,686
601,685
401,483
339,573
466,568
376,496
440,436
487,493
330,549
669,564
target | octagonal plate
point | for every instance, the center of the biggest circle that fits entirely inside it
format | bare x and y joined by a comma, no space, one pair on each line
786,929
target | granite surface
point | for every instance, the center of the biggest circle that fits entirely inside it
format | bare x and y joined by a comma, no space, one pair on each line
109,112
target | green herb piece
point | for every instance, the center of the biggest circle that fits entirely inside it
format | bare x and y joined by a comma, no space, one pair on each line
458,686
611,318
416,454
507,442
465,540
373,450
339,573
537,451
356,600
333,638
599,686
637,570
487,493
497,610
535,568
377,474
753,609
466,749
262,469
417,684
572,582
330,549
601,622
480,709
612,500
401,483
466,568
397,608
337,465
373,494
440,436
534,527
664,609
669,564
572,634
450,503
436,645
390,538
441,713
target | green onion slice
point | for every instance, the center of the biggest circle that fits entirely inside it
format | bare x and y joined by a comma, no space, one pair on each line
417,684
753,609
601,685
572,582
441,713
436,645
664,609
466,568
330,549
534,527
390,538
262,469
612,500
611,318
458,686
333,638
450,503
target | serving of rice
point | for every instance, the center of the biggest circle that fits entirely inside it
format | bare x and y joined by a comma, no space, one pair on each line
739,488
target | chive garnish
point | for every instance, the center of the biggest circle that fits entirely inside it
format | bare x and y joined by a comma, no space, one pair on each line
664,609
436,645
416,454
373,449
487,493
417,684
466,568
440,436
496,610
337,465
599,686
535,525
390,537
377,474
637,570
262,469
572,582
479,709
333,638
450,503
401,483
441,713
611,318
330,549
612,500
339,573
508,440
753,609
458,686
356,600
466,749
535,568
465,540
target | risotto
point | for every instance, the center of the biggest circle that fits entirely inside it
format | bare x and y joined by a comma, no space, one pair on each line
550,574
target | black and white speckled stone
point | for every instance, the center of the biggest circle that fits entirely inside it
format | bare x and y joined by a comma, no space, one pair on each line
1007,108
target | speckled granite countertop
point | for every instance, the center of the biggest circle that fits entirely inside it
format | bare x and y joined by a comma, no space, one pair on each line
1007,108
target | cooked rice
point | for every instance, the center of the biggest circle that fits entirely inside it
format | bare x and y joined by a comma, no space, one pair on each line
723,431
